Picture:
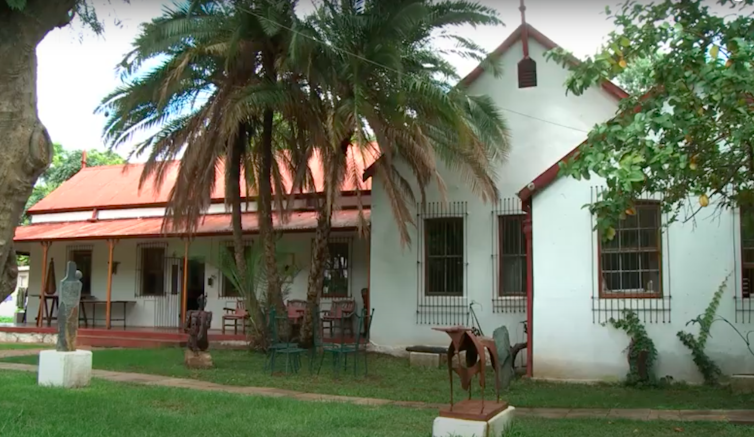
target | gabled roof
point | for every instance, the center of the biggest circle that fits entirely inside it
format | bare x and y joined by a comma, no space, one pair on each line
117,186
517,35
539,37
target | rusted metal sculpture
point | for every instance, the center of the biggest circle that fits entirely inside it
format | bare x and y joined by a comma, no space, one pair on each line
198,323
464,340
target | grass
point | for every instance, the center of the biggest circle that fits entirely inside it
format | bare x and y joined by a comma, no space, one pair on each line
108,408
6,346
392,378
111,409
529,427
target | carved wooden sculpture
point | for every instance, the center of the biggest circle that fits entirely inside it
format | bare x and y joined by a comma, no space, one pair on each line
463,339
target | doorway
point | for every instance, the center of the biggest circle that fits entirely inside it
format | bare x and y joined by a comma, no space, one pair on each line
195,284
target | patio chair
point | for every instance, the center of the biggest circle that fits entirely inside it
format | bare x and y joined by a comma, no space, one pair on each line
340,311
347,346
290,350
295,308
235,315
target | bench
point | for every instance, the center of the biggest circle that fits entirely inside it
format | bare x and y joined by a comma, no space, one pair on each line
426,356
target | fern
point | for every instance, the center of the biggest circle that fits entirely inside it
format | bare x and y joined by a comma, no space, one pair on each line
709,370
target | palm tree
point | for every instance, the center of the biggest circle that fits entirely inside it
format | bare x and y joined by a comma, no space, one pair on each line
376,70
215,94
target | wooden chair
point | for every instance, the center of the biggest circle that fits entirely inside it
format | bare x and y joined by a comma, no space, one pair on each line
342,312
296,309
235,315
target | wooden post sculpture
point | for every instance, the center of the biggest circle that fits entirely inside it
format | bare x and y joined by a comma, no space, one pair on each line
463,340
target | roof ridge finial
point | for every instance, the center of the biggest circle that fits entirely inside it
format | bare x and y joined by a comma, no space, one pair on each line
83,159
524,30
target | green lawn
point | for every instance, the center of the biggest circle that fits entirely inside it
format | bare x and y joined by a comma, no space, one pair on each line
6,346
392,378
111,409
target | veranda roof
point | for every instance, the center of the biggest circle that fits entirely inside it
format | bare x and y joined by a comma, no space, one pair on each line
213,224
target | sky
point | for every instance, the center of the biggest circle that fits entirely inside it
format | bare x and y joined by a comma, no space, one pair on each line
77,68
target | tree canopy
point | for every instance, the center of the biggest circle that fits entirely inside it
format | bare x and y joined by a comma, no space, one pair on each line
689,138
65,164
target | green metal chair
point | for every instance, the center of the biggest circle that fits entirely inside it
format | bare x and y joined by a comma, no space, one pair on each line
290,350
348,346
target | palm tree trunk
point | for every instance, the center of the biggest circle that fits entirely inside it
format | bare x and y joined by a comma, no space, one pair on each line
233,184
24,141
266,229
320,247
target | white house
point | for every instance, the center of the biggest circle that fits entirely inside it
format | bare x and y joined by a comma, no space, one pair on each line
100,216
467,254
530,257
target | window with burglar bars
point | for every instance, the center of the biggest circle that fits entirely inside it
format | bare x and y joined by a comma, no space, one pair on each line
442,264
228,288
744,304
630,261
337,275
508,257
151,260
630,266
82,256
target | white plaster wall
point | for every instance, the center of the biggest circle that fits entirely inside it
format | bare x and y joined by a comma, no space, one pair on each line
568,345
536,145
8,306
142,312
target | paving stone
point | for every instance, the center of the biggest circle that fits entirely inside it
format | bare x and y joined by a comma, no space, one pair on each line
629,414
545,413
703,415
586,413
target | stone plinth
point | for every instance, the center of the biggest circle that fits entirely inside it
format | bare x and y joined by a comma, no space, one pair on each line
65,369
742,383
423,359
492,427
197,360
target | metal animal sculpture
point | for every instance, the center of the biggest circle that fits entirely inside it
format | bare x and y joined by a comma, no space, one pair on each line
464,340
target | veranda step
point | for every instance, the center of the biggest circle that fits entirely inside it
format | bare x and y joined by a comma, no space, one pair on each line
127,342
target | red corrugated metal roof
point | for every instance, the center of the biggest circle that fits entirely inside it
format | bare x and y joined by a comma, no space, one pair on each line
117,186
215,224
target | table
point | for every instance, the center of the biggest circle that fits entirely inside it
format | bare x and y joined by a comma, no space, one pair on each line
94,302
52,303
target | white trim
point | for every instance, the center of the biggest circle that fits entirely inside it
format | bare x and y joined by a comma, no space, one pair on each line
144,212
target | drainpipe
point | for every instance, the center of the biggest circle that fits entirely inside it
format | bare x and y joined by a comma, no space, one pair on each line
529,289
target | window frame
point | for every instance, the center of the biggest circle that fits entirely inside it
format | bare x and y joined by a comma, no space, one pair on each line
72,251
228,246
427,256
143,271
600,274
745,292
348,270
501,219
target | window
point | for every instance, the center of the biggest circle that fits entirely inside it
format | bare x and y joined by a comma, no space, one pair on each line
336,282
527,73
228,289
152,271
630,262
444,256
83,260
512,255
747,251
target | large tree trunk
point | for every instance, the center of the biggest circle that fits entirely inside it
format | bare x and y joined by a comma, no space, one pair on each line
24,141
320,246
266,229
233,184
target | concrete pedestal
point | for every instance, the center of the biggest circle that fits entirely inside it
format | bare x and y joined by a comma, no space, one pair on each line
65,369
494,427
